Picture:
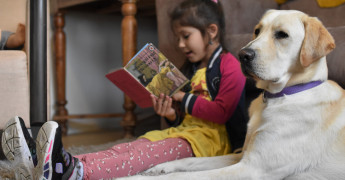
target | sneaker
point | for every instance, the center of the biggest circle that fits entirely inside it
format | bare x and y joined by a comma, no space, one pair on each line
53,161
19,147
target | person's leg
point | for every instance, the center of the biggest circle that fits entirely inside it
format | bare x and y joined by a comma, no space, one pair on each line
132,158
17,39
55,163
122,160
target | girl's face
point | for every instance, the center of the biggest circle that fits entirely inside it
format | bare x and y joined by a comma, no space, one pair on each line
192,43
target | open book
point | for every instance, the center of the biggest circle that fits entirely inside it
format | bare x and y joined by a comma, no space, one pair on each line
148,72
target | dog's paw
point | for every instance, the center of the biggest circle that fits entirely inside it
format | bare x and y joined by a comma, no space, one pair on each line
135,177
161,169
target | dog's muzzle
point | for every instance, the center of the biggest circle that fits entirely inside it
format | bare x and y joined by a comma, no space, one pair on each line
246,56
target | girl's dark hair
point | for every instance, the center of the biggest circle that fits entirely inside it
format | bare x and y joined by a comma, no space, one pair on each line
199,14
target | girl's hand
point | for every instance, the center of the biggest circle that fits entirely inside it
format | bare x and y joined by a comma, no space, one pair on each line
163,106
178,96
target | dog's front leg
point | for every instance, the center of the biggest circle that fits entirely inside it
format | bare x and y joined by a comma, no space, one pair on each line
195,164
237,171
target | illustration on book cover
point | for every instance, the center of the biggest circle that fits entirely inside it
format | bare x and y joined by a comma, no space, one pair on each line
155,71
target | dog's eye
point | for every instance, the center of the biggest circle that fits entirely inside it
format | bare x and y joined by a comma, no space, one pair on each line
257,31
281,35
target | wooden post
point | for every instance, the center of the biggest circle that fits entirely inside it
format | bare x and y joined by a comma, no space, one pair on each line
60,65
129,43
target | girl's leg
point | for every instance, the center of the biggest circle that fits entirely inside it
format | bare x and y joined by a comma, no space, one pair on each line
132,158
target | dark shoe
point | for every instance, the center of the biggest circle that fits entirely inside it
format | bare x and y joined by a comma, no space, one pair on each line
19,147
53,161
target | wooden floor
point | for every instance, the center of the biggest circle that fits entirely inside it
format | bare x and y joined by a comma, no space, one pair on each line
92,138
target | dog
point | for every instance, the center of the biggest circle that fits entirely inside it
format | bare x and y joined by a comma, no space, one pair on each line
297,125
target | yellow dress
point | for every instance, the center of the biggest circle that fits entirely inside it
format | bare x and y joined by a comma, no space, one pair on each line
206,138
322,3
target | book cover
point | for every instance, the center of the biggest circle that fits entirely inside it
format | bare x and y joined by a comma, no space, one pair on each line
148,72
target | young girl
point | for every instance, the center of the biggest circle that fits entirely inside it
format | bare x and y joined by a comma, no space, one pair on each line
214,97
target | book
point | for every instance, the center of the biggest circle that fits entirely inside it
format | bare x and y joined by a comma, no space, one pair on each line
148,72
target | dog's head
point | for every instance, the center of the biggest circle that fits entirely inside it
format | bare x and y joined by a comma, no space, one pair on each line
289,48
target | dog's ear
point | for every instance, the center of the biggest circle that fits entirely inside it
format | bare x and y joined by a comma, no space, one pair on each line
318,42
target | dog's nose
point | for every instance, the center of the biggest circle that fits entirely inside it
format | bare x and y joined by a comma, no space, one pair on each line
246,55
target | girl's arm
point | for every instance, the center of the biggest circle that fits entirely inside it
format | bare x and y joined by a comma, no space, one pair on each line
230,90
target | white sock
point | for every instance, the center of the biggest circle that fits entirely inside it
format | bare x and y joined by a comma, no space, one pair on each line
78,172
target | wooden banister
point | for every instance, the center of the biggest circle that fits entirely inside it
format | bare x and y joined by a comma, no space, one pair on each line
129,43
60,67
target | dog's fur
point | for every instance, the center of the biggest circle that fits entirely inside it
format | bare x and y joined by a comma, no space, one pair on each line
298,136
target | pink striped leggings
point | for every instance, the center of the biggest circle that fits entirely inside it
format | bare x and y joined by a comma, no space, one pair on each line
134,157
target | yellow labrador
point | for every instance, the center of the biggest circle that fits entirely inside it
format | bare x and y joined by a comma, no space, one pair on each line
297,126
